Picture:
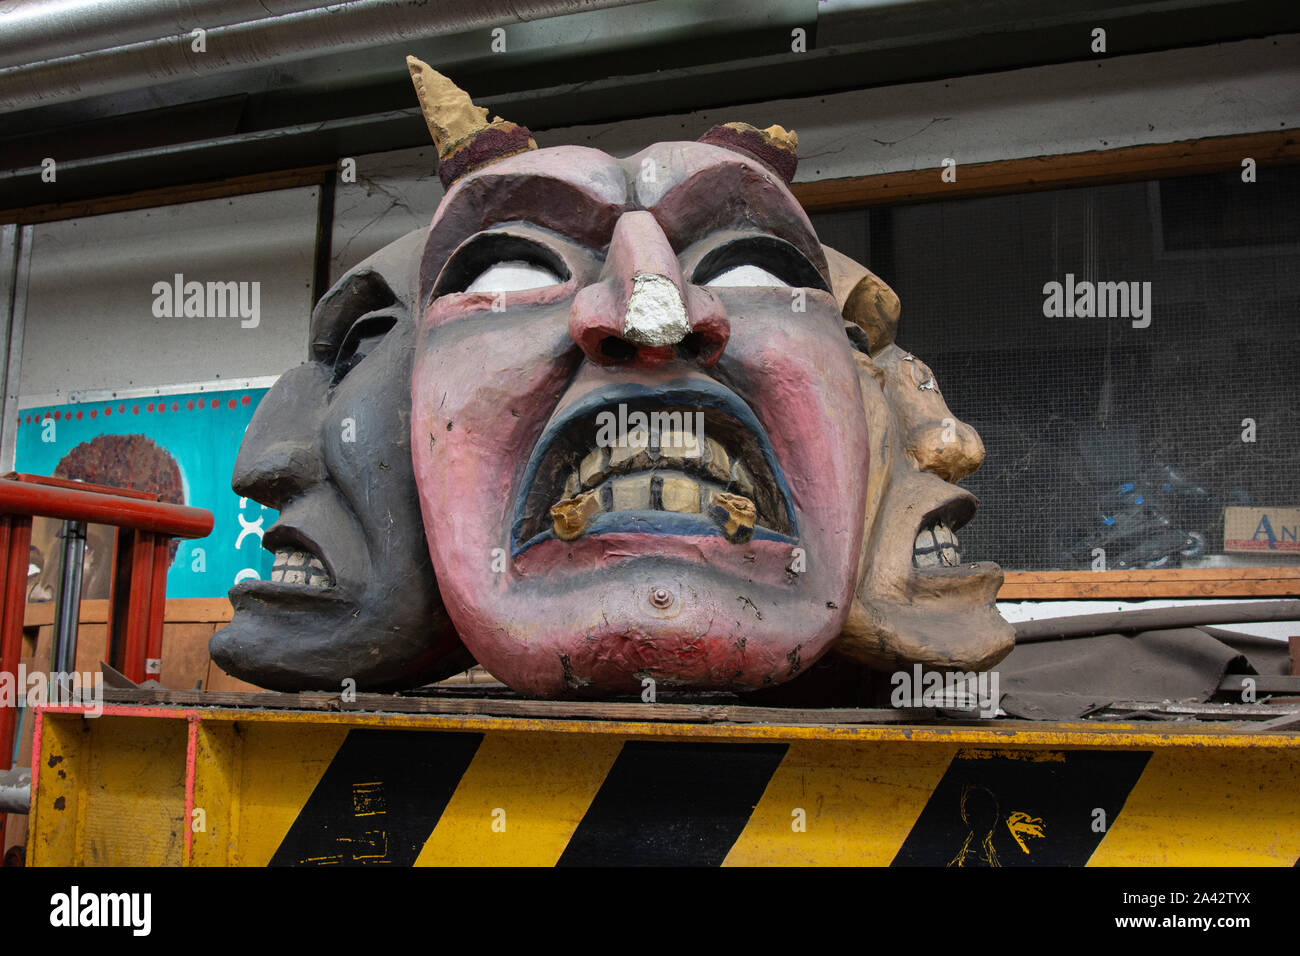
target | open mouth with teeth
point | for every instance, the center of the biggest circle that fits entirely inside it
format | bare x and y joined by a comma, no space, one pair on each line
936,544
700,465
300,567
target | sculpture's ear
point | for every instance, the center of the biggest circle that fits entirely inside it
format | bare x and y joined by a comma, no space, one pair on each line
865,300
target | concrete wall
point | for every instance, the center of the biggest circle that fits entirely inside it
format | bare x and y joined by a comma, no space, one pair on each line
394,194
1245,87
90,322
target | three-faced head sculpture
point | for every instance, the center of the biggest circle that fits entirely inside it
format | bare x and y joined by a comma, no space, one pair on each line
646,450
352,594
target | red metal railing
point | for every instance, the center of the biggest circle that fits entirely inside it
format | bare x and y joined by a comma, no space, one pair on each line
146,525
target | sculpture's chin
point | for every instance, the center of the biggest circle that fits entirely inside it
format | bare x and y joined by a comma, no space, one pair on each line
947,621
676,623
291,640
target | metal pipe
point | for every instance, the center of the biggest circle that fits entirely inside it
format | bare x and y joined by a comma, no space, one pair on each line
67,612
160,517
33,30
1155,619
15,790
15,306
337,28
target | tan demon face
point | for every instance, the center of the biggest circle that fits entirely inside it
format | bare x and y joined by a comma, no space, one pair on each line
916,601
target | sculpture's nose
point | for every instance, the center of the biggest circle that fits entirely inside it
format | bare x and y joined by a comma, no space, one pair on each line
948,448
641,312
934,438
281,456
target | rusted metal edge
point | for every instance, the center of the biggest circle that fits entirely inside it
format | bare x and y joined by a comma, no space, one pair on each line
1111,734
504,707
1249,715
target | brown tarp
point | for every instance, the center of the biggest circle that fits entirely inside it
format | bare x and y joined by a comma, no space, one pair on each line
1067,679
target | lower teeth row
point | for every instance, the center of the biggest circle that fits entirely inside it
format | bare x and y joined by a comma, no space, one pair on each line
300,576
734,515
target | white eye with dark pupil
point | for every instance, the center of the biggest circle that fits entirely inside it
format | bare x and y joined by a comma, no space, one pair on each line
515,275
746,275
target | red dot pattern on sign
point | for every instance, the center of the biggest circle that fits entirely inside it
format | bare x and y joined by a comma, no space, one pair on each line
190,405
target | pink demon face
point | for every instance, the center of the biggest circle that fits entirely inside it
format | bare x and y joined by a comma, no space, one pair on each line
637,427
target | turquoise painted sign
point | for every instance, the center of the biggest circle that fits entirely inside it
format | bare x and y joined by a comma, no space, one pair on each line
180,446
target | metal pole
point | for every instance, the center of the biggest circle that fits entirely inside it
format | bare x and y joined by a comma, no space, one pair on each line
68,609
1155,619
15,270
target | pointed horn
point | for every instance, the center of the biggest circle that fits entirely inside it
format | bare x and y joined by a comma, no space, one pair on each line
461,132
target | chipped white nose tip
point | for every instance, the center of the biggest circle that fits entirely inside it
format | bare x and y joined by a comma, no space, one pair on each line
655,313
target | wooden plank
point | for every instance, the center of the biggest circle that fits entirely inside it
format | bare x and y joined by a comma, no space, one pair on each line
185,655
198,610
1260,684
218,680
172,195
92,647
1127,164
1243,716
1124,709
178,610
44,648
510,707
91,640
1178,582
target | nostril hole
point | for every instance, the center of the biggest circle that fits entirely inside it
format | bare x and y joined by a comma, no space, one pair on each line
612,347
691,346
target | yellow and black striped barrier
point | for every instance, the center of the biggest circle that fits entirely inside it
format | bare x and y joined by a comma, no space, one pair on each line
148,785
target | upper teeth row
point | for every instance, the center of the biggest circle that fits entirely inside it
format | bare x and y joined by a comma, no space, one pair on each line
682,450
300,567
936,546
734,515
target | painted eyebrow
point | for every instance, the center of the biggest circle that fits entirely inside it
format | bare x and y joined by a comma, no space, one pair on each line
771,212
351,297
492,200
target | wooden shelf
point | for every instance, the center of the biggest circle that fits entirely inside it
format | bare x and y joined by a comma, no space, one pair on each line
1175,583
1127,164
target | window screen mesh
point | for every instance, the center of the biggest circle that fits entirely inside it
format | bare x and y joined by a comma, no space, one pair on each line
1100,434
